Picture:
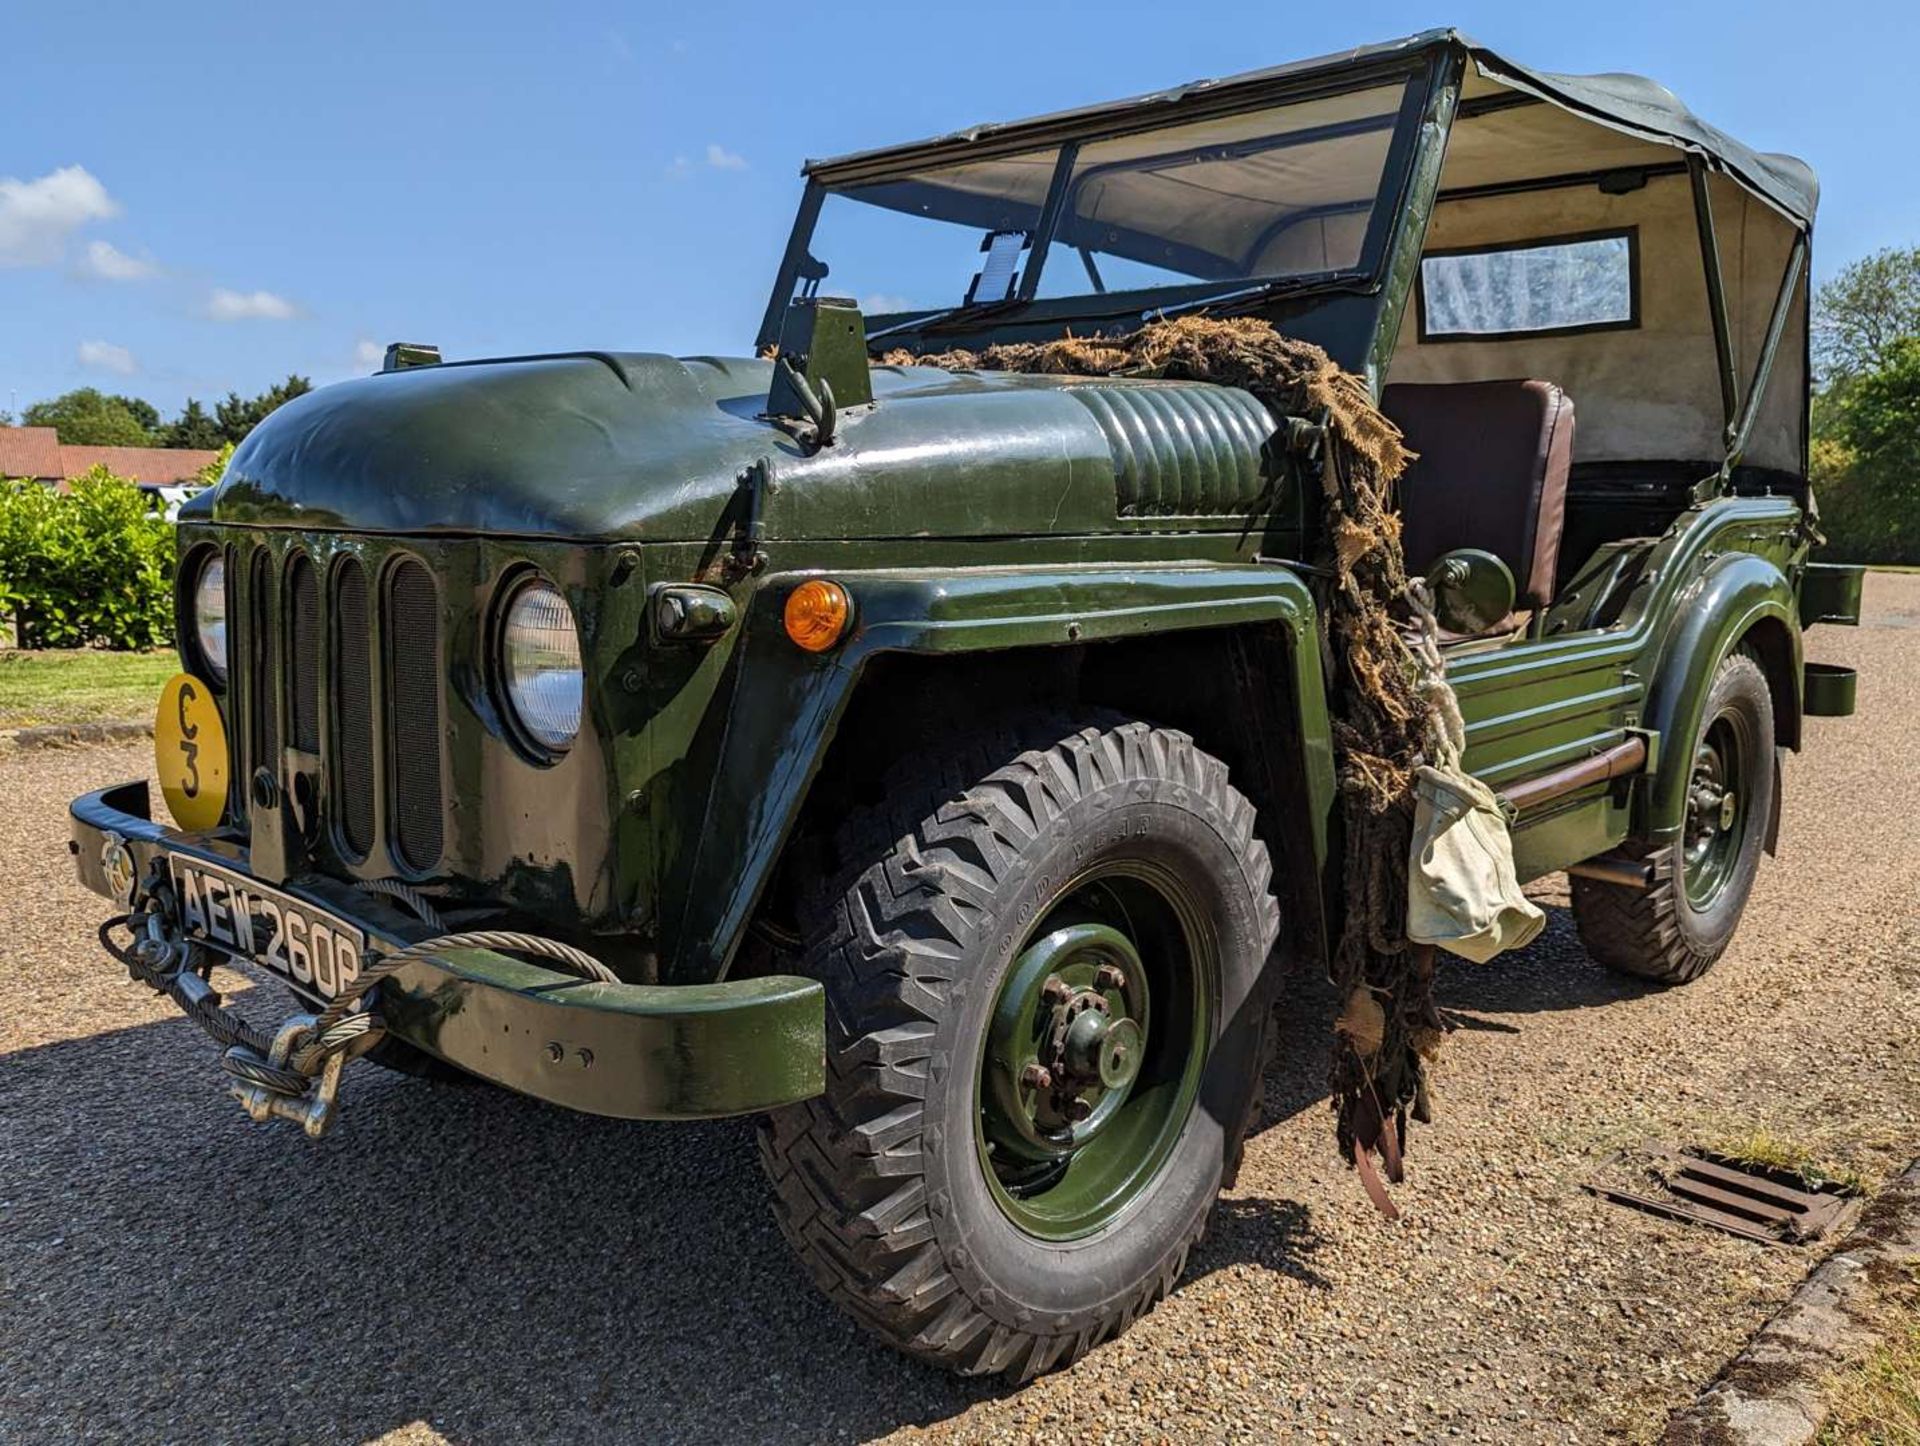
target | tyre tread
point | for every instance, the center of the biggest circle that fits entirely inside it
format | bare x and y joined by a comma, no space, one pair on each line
889,936
1637,931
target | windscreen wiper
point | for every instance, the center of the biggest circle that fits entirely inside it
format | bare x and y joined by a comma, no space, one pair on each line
1281,286
958,316
945,320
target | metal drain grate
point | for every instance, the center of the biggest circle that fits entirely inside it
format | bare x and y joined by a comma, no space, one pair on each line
1775,1207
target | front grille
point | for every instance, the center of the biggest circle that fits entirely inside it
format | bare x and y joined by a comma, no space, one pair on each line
413,672
338,662
353,764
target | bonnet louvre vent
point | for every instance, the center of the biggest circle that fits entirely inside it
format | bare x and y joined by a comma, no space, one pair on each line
1182,450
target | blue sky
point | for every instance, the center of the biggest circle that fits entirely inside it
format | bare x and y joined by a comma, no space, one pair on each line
202,197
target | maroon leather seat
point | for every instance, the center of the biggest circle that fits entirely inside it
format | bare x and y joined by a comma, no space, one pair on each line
1492,474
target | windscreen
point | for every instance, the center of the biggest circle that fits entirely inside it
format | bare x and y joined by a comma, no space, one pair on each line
1275,193
919,242
1283,192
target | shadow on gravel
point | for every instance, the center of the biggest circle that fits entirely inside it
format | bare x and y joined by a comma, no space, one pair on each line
455,1255
1552,974
497,1269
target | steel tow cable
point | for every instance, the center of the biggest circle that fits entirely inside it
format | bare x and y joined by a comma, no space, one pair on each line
324,1039
203,1008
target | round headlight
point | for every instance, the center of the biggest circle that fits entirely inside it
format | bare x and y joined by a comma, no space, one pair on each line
540,665
210,617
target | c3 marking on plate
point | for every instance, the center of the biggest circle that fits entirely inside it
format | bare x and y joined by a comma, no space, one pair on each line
189,750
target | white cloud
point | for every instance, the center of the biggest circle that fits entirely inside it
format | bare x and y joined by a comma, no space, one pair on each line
36,217
106,357
103,261
882,304
225,305
722,159
369,354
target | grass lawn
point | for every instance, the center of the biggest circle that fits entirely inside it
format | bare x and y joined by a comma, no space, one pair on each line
1878,1403
81,686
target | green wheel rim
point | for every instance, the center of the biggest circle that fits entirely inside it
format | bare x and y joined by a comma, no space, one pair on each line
1717,796
1094,1050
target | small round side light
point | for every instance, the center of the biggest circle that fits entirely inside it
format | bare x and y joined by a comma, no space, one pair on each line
817,614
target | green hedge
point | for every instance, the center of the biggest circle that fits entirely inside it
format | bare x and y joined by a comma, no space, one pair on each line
89,568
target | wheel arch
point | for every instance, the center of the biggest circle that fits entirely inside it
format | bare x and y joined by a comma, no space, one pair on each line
1776,642
1228,654
1743,600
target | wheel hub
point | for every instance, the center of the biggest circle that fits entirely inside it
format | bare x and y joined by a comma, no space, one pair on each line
1714,825
1068,1036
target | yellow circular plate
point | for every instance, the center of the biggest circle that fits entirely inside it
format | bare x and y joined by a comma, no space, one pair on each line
190,752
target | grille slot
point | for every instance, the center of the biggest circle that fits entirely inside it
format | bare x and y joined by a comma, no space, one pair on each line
413,691
232,685
260,657
353,695
303,634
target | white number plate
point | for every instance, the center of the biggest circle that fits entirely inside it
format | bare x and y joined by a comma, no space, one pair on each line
307,946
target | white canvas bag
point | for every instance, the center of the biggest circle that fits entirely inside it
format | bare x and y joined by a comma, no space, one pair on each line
1462,893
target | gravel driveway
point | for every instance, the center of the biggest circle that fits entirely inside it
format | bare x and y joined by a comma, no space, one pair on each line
455,1262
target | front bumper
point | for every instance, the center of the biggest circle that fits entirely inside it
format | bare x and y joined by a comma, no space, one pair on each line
632,1051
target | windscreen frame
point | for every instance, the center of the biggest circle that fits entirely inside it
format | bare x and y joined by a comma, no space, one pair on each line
1419,73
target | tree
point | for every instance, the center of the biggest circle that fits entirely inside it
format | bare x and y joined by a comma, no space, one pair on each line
90,418
144,412
1865,311
1870,465
237,415
193,428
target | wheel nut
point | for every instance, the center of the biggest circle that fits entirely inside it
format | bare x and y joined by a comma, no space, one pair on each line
1110,977
1038,1076
1056,990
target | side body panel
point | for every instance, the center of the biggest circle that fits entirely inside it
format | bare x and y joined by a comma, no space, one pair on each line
1541,703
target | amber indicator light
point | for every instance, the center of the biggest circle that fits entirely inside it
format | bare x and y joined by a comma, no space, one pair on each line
817,614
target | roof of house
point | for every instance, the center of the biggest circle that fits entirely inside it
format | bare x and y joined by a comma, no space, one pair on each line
149,466
37,452
30,452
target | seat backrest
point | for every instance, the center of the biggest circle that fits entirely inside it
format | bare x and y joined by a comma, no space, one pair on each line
1491,473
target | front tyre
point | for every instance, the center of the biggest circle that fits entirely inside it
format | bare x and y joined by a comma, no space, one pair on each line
1677,928
1045,1037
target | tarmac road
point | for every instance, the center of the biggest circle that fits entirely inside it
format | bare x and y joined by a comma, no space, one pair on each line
458,1263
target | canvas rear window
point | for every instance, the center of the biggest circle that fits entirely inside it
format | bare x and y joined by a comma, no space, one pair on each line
1549,287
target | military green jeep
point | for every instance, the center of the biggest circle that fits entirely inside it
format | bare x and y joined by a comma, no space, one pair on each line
938,763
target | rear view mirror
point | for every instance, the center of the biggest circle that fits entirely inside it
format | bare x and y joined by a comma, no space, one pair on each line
1472,590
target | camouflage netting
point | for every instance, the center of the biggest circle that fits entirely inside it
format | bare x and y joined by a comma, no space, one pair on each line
1389,1026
